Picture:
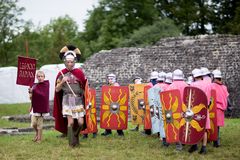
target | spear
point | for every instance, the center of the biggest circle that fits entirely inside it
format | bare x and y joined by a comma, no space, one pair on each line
187,123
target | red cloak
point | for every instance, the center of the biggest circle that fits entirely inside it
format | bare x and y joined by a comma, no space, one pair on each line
40,97
60,121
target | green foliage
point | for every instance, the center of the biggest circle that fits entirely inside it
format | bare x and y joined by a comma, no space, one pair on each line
112,24
226,18
192,15
114,20
9,26
148,35
45,43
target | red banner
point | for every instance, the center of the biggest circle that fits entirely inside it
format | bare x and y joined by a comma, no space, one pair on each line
26,71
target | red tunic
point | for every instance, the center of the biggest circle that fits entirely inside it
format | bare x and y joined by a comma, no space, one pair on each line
221,100
40,97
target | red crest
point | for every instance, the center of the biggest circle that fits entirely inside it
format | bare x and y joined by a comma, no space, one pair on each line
147,114
213,132
172,113
193,121
114,107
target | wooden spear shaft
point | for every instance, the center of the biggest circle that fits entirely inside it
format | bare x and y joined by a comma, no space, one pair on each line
69,85
187,123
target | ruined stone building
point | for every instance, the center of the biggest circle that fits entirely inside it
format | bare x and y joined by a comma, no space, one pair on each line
186,53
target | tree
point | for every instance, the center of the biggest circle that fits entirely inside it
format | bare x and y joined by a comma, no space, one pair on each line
113,20
9,26
148,35
45,43
59,32
226,16
192,15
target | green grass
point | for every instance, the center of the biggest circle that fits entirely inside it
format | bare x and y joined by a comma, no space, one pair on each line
132,146
13,109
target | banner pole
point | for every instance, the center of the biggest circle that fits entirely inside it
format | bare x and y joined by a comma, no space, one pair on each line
26,47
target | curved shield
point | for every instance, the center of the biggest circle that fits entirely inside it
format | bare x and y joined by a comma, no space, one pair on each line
156,110
172,113
213,132
153,110
114,107
147,115
193,122
136,95
91,114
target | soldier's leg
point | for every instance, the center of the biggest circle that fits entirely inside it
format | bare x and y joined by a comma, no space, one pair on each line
39,128
217,142
85,136
120,132
193,148
164,142
95,135
179,146
70,130
204,145
80,124
136,128
148,131
77,131
107,132
34,125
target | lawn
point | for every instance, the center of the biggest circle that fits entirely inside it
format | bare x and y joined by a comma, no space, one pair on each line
133,145
13,109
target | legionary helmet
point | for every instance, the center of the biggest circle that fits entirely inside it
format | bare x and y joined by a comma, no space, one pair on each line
178,74
205,71
161,76
154,75
169,77
70,52
217,73
197,73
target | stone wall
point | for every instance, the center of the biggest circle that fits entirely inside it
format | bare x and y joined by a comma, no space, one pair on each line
186,53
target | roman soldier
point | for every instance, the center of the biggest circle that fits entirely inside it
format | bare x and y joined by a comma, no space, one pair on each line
221,100
204,86
180,84
69,108
112,81
206,75
153,78
161,80
137,80
168,80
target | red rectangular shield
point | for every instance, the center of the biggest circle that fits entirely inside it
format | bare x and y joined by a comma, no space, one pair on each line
171,112
114,107
213,132
193,122
147,117
26,71
91,112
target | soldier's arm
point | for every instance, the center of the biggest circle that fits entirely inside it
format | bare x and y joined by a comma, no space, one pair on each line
59,85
